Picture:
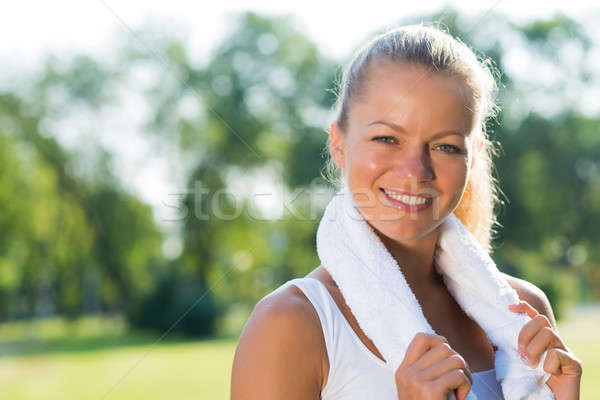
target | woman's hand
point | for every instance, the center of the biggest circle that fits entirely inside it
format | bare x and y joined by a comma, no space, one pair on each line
537,336
431,369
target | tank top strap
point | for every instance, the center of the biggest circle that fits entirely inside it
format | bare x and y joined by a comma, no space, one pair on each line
331,325
322,302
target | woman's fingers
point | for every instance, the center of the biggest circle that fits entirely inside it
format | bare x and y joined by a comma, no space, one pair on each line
432,369
436,354
456,379
545,339
559,361
530,330
537,335
525,307
448,363
420,344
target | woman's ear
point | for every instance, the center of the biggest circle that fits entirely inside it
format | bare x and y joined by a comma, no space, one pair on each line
336,148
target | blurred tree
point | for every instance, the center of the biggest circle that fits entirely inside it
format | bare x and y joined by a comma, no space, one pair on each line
69,244
261,105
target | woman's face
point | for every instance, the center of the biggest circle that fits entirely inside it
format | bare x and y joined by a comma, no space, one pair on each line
408,134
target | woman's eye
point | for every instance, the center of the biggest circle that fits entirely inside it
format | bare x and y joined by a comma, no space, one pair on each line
385,139
453,149
446,148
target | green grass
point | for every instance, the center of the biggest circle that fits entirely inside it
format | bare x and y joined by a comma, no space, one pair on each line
168,371
100,359
580,332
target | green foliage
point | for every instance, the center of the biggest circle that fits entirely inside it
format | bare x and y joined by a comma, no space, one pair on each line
178,303
70,245
127,244
559,27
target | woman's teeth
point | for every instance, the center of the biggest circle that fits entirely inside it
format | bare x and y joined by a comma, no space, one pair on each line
411,200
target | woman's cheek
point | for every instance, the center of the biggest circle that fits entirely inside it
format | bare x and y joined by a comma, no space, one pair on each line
455,182
367,163
454,172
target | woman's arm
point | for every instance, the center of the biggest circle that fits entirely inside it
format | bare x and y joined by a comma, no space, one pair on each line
279,354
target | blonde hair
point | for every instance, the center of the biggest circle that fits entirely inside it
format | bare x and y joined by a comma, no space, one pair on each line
437,51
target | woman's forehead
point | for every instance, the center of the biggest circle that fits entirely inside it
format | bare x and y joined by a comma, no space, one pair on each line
401,79
414,95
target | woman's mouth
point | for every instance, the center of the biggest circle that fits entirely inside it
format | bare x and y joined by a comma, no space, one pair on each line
411,203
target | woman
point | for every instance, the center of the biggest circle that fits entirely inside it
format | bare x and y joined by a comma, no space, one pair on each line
410,125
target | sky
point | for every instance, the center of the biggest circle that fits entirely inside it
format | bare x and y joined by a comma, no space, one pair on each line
29,28
32,29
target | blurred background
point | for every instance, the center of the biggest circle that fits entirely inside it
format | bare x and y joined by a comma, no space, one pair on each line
160,172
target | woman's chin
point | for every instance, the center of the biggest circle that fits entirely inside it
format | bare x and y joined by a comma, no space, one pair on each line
398,230
407,230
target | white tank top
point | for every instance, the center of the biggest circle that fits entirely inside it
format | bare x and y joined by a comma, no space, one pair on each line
355,373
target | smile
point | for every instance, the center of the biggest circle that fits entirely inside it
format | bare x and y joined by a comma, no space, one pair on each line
407,202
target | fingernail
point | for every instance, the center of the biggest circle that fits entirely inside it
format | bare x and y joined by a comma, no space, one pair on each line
531,363
526,360
522,351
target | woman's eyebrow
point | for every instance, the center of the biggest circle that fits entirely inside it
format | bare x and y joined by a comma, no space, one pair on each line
400,129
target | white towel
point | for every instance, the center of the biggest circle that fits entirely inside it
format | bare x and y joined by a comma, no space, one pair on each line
388,312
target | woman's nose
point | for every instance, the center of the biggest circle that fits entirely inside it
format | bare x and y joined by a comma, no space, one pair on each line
414,165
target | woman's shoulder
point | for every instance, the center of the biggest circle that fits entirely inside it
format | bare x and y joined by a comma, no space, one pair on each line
279,348
287,304
287,318
533,295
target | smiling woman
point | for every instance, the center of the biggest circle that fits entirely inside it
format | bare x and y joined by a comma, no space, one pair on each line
410,143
